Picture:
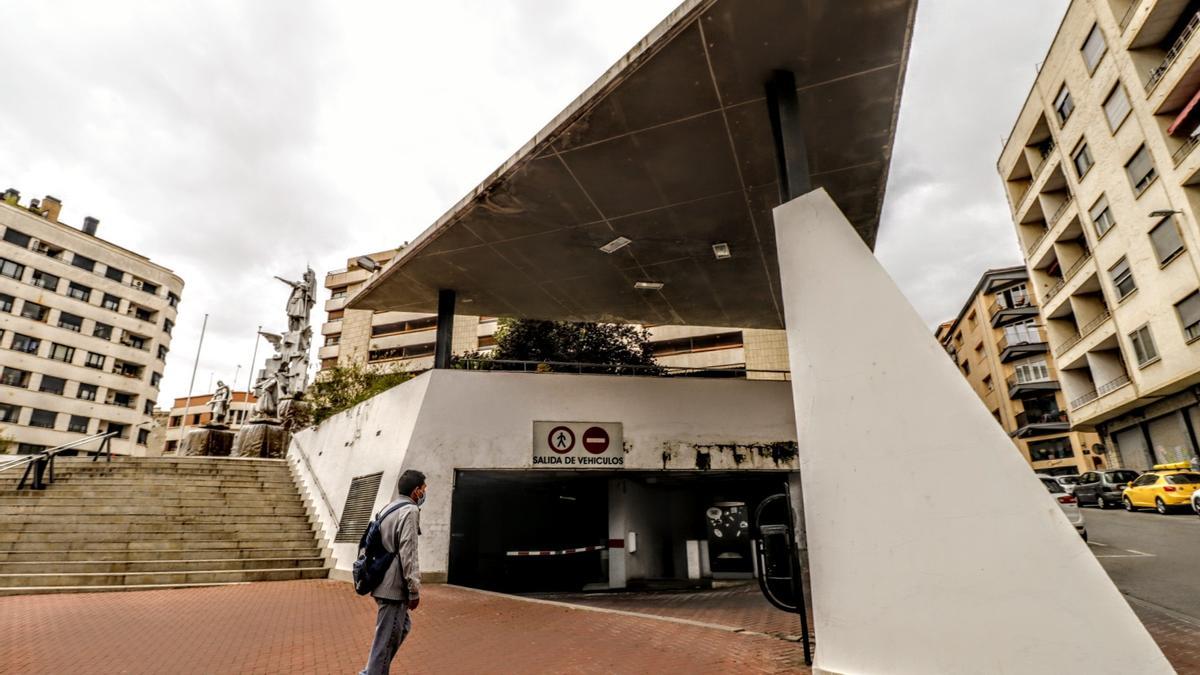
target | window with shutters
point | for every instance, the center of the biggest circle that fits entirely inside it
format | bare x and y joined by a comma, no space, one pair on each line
1116,106
1166,241
1140,170
79,291
1082,157
1093,49
1063,105
87,392
11,269
1122,278
1143,345
1189,315
62,353
52,385
1102,216
1032,370
357,512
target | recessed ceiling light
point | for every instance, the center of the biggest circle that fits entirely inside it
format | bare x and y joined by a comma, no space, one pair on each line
616,245
648,285
721,250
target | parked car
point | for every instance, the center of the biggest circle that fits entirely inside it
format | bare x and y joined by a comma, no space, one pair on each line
1068,481
1103,488
1066,502
1162,490
1196,502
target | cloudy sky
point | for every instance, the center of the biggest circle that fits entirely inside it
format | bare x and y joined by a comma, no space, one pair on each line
235,140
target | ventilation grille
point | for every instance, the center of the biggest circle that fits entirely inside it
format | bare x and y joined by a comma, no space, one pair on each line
356,514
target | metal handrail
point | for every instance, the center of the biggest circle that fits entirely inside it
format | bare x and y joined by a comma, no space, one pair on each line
1160,71
337,519
1085,399
1070,274
1087,330
40,462
1062,209
609,368
1186,149
1113,385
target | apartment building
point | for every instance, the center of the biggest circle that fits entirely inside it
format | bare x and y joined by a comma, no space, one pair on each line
1103,179
999,344
194,411
405,340
85,327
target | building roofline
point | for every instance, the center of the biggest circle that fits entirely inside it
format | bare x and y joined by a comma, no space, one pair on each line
983,279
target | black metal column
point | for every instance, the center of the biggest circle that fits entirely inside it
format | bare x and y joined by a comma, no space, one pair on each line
445,329
791,152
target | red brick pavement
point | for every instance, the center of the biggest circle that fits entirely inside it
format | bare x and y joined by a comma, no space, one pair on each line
323,627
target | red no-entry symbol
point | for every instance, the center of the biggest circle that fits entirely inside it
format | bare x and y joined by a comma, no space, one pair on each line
595,440
561,440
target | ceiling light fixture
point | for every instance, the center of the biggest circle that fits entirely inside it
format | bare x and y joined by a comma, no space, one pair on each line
648,285
721,250
616,245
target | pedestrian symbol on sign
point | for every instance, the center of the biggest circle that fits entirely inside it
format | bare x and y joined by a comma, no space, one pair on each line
561,440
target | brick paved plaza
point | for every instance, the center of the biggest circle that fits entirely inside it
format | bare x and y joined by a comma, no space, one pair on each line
323,627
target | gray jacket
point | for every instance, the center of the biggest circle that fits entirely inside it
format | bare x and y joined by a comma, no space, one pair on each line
400,529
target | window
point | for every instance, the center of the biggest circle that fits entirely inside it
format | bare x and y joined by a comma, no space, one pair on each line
111,302
52,385
78,424
62,353
987,383
16,237
70,322
1102,216
43,418
1183,479
1025,332
1189,315
331,340
115,274
102,331
142,313
1146,479
11,269
134,340
1122,278
337,316
1140,170
25,343
14,377
148,407
1031,370
6,302
94,360
1063,105
1143,345
155,378
168,326
9,413
1116,107
966,367
336,293
1093,49
87,392
1058,448
1166,241
1082,157
83,263
44,280
172,299
122,430
79,291
123,399
32,310
146,286
162,353
175,420
143,436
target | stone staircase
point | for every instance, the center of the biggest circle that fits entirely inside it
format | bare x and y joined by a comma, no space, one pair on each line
143,523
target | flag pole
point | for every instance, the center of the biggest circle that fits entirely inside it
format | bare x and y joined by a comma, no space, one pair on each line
188,402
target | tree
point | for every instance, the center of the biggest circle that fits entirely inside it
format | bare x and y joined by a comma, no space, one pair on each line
606,347
344,387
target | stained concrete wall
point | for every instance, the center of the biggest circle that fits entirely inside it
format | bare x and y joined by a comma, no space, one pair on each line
451,419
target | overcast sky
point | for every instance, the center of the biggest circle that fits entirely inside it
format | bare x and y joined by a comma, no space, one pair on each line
234,140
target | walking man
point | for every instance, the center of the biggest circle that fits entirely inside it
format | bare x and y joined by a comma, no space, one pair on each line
400,590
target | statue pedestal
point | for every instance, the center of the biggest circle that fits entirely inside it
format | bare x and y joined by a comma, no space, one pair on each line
208,441
261,438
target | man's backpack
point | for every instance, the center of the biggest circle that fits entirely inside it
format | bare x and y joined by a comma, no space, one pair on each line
373,559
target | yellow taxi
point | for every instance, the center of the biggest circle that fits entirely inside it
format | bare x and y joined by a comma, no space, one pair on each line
1163,488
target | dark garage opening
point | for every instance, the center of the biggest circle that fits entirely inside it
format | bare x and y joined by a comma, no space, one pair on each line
498,513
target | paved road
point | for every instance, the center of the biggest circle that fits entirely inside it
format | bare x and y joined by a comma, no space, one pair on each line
1150,557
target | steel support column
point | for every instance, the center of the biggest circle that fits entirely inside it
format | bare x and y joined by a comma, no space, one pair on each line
791,152
445,329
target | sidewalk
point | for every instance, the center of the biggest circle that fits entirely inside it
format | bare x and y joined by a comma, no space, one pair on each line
323,627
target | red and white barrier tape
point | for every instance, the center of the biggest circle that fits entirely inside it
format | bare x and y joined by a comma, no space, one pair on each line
565,551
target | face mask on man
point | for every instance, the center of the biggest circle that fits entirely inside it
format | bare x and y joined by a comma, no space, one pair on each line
421,500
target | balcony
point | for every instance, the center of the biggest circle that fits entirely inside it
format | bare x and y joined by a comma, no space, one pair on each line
1173,54
1024,387
1002,312
1040,423
1066,278
1016,347
1186,149
1083,332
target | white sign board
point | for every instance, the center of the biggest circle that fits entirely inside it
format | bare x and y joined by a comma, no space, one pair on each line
576,445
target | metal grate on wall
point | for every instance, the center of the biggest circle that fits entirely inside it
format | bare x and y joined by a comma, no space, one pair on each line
356,514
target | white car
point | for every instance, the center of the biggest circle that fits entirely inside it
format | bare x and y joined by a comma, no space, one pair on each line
1066,502
1068,481
1196,502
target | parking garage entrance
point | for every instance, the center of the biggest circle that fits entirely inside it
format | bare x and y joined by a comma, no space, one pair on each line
529,531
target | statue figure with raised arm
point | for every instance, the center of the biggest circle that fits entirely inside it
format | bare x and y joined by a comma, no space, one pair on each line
219,403
301,301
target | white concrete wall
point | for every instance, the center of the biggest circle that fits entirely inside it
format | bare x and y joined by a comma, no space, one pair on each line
947,576
451,419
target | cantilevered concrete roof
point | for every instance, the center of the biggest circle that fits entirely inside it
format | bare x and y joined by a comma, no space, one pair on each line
673,149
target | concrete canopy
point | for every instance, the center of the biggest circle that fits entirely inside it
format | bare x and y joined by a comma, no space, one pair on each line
673,149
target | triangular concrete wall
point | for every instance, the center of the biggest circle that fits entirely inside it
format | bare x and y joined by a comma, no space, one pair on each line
933,548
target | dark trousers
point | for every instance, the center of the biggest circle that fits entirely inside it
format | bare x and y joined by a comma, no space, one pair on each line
392,625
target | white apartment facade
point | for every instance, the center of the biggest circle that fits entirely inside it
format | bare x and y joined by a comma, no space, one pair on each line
85,327
1104,185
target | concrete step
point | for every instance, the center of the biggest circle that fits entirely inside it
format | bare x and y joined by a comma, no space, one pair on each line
182,501
135,537
83,555
163,565
152,529
147,483
100,491
53,512
87,581
203,542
